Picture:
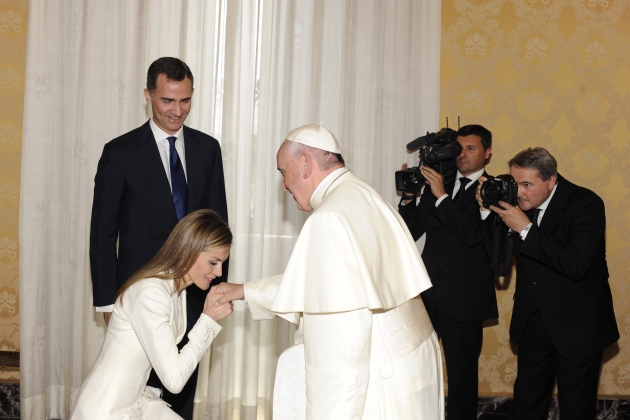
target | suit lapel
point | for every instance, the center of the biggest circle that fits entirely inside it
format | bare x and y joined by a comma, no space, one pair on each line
194,166
469,193
151,163
448,187
553,213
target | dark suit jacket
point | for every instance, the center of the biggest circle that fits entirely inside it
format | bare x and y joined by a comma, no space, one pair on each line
454,254
133,204
561,268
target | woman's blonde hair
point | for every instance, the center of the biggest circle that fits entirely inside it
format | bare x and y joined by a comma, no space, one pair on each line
199,231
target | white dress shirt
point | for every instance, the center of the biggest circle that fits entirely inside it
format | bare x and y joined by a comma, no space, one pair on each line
164,147
542,209
473,177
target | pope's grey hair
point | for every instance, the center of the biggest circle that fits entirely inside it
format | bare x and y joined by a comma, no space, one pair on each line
325,160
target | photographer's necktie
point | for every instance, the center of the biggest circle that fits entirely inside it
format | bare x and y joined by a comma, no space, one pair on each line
179,188
533,215
463,182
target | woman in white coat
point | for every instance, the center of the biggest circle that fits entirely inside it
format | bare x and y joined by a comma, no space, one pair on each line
148,321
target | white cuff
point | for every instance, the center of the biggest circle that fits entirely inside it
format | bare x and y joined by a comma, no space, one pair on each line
439,200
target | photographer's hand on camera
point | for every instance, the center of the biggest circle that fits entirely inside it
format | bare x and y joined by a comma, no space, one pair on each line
512,216
434,180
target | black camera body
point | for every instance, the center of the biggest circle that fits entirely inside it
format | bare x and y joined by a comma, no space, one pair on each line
438,151
499,188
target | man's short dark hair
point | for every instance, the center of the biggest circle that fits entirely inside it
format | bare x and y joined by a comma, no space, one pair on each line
536,158
478,130
173,68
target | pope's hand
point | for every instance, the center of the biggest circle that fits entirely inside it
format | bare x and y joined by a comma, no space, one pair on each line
228,291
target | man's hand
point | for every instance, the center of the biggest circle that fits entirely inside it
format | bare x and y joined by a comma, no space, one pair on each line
512,216
229,291
107,316
435,181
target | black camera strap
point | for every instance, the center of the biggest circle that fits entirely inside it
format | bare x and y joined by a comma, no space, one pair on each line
498,232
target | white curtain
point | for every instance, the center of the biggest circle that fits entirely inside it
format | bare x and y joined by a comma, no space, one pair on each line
368,69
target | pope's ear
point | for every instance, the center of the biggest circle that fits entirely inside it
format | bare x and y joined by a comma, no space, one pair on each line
307,167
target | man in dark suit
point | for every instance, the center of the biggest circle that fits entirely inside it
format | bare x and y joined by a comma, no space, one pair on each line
146,181
563,314
463,295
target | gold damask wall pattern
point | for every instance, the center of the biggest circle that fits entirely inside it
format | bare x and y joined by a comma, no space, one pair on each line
556,74
12,68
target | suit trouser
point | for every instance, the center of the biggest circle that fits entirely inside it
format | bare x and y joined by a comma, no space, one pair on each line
539,363
461,342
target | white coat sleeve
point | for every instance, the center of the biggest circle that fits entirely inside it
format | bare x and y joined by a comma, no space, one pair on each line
260,295
151,323
337,354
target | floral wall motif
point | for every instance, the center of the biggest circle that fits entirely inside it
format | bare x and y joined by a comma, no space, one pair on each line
556,74
12,67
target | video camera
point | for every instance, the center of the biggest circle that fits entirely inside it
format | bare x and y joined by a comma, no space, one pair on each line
438,151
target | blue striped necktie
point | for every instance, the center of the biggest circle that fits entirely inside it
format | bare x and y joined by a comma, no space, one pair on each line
179,188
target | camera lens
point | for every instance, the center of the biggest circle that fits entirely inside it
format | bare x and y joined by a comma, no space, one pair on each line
490,192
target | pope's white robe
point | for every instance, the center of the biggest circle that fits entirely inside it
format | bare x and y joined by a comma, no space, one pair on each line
355,275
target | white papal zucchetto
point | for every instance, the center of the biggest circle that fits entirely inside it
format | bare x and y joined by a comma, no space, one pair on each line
315,135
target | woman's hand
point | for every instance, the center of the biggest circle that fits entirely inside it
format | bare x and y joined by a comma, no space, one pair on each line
216,312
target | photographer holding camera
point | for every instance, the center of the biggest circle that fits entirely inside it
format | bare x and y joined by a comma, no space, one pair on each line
463,295
563,314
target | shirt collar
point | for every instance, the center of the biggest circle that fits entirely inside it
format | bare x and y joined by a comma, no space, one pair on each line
320,190
160,135
544,205
473,177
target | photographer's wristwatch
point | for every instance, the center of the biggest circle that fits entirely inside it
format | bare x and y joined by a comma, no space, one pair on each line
526,229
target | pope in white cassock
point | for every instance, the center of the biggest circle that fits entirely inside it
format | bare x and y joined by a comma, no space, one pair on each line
354,277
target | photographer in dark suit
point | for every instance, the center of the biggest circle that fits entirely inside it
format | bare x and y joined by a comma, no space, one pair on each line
146,181
463,294
563,314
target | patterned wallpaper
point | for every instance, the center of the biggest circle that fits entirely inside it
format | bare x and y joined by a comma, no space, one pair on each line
556,74
12,67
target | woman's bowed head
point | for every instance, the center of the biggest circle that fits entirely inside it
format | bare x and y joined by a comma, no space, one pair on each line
193,253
